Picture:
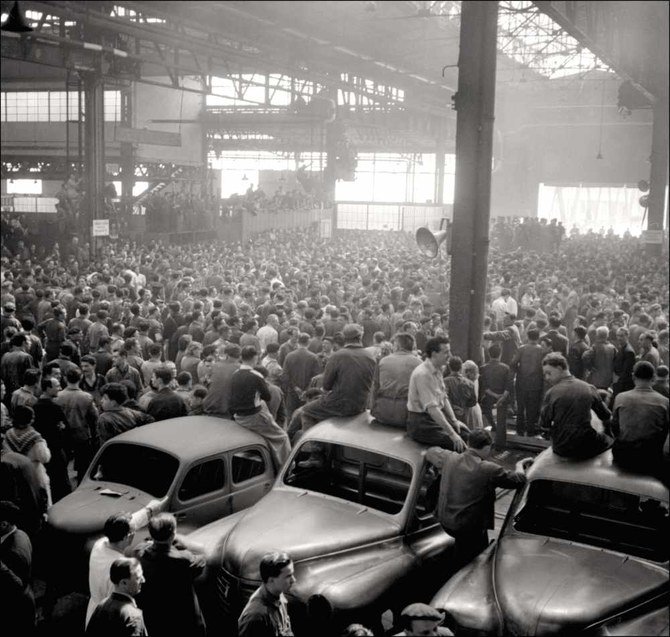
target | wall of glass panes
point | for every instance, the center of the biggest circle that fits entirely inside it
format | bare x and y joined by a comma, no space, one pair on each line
241,169
51,106
392,177
390,216
380,177
594,207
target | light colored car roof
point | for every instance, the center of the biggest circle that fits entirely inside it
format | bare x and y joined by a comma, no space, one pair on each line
191,437
599,471
365,432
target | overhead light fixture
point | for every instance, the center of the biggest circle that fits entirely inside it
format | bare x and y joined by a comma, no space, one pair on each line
245,178
15,22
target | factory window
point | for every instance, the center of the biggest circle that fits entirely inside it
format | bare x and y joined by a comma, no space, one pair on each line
62,108
24,187
52,106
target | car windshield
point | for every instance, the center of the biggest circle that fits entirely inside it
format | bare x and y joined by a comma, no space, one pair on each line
625,522
356,475
144,468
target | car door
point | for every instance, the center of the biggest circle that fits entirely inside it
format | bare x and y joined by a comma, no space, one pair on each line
202,493
251,476
428,541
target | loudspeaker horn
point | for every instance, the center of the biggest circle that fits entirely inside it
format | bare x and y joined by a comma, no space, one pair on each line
429,242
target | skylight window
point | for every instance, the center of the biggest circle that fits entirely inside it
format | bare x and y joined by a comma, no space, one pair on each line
534,40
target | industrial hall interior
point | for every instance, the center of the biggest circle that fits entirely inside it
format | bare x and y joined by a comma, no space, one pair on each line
334,318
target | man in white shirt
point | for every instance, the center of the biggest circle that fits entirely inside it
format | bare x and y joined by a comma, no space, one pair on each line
504,304
119,533
269,333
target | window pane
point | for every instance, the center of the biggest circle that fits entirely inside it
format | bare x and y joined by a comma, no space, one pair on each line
623,522
137,466
247,464
24,187
204,478
355,475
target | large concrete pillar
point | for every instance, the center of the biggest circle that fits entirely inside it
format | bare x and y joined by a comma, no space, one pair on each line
94,150
475,103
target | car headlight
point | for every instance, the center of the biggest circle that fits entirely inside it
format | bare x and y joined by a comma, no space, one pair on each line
319,608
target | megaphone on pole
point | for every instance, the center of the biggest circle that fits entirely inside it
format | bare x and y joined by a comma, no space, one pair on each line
429,243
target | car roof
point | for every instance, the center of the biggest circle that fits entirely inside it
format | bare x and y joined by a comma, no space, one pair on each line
364,432
599,471
192,437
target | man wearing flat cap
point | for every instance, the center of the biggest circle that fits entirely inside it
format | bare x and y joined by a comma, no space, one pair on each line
424,620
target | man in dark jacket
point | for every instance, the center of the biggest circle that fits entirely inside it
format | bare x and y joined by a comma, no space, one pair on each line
460,390
529,384
566,412
300,366
495,387
624,361
347,379
15,565
118,615
170,565
51,422
167,403
468,484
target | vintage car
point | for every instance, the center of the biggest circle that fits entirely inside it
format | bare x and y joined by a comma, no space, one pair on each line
583,549
359,529
203,467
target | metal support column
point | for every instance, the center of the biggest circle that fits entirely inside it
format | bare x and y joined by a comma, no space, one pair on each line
659,172
438,196
475,102
127,153
329,171
94,151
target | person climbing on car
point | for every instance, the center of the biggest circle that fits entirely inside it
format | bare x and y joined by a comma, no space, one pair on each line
465,506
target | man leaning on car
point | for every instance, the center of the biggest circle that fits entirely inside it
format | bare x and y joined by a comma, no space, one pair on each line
465,508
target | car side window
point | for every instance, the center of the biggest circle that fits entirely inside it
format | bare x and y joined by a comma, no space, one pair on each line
204,478
247,464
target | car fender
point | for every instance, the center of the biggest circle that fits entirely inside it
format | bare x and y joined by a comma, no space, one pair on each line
469,598
354,579
212,536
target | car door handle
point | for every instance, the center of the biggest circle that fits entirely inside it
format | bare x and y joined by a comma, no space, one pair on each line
180,516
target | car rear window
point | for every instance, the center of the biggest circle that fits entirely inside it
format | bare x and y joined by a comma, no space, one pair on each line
625,522
356,475
144,468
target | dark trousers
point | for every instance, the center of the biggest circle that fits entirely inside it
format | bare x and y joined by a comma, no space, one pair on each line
487,404
468,544
423,429
642,459
83,453
528,403
292,403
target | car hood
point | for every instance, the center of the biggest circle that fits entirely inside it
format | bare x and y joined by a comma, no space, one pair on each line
303,524
85,510
547,586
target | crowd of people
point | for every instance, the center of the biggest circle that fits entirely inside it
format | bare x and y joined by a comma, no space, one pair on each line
288,329
282,200
176,211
